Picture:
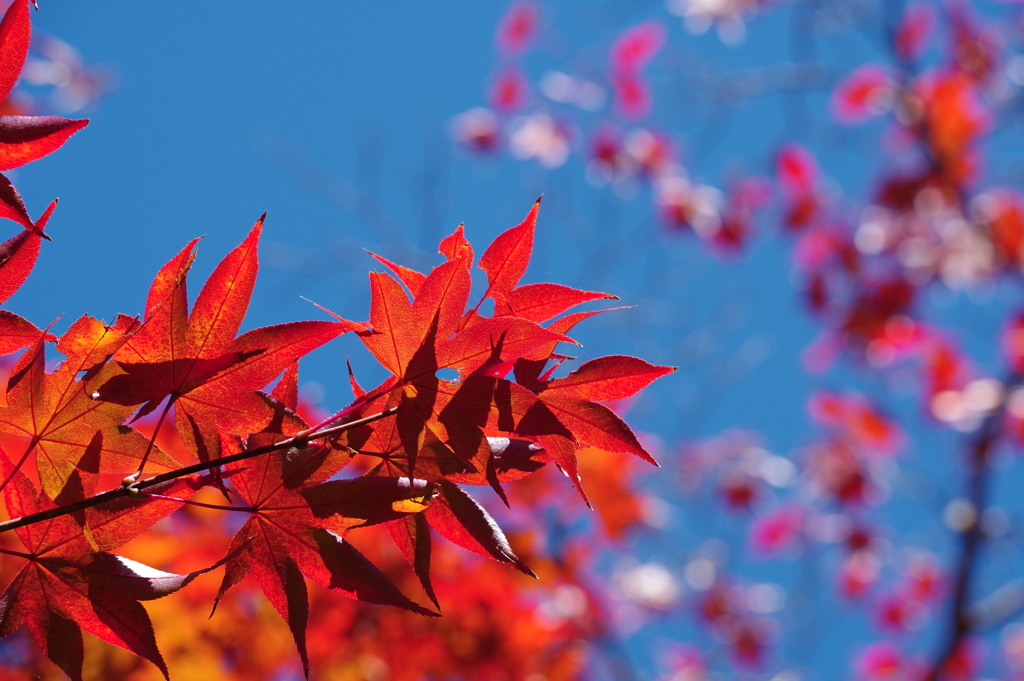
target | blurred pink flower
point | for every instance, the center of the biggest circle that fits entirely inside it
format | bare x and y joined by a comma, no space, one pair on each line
776,531
517,28
866,92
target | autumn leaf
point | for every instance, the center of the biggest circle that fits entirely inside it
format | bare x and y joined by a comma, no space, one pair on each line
461,520
574,401
15,36
296,524
506,259
24,139
16,332
72,583
59,415
195,359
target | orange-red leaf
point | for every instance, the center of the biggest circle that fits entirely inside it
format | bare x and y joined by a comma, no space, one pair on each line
27,138
391,316
506,259
15,35
614,377
15,332
541,302
455,246
224,299
61,419
411,278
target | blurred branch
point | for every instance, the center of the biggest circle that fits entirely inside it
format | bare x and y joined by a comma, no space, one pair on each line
962,616
1002,605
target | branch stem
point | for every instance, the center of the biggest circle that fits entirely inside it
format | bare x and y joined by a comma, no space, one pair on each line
961,620
134,488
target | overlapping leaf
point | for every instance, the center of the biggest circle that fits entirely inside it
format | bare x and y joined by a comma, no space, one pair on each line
23,138
446,431
195,361
297,519
58,412
72,583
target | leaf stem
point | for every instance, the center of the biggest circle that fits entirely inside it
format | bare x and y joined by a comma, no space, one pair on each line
21,462
19,554
134,488
218,507
152,438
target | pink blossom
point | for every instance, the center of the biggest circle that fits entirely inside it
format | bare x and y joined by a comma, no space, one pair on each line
636,46
864,93
633,98
915,30
879,661
776,531
797,171
509,90
518,28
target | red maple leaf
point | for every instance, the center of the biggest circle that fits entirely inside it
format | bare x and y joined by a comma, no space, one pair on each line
297,519
194,359
23,138
59,415
73,583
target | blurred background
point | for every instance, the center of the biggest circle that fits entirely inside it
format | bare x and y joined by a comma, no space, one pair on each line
706,161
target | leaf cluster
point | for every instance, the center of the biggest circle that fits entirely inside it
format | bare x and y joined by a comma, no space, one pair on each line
505,416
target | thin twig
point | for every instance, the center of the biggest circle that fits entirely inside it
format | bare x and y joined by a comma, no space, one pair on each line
133,489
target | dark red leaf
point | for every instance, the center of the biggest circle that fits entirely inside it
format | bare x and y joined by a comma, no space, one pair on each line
17,258
411,535
461,520
27,138
604,379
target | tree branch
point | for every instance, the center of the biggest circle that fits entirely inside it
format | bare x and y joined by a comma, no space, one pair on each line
134,488
962,615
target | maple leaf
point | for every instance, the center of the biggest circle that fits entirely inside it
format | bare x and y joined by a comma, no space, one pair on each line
16,332
297,519
73,583
15,36
23,138
195,360
461,520
575,401
464,522
445,422
506,259
414,340
59,415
